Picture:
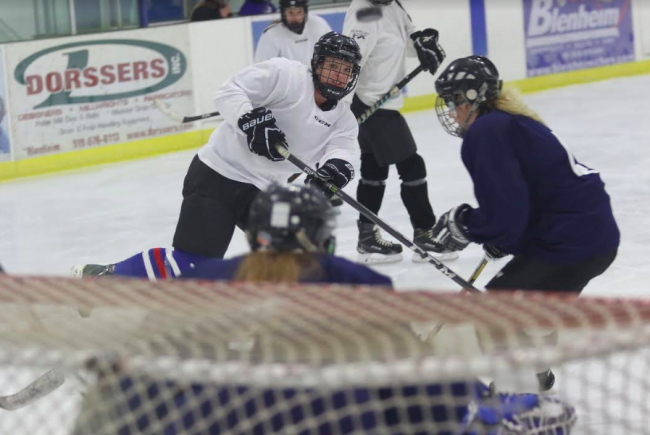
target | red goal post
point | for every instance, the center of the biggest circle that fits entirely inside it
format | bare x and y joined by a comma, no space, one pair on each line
192,357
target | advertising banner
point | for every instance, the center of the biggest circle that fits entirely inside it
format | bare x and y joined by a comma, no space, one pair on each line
567,35
76,93
5,143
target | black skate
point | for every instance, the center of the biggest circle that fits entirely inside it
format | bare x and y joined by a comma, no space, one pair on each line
424,240
373,248
93,271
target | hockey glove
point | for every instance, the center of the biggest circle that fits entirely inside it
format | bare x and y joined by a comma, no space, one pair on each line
493,252
262,134
429,50
336,171
450,231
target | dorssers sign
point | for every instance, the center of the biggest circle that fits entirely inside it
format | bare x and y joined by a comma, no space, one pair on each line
102,70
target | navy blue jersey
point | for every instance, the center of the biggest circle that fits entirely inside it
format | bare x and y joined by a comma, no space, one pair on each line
167,263
333,270
534,198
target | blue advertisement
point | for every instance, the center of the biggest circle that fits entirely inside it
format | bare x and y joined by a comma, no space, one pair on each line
334,19
568,35
5,149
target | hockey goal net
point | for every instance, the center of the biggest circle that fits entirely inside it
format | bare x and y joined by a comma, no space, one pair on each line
221,358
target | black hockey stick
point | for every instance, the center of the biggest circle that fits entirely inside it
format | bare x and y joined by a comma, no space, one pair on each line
182,119
395,90
284,152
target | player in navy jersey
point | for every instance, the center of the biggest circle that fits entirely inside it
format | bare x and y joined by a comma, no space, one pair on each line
291,236
535,200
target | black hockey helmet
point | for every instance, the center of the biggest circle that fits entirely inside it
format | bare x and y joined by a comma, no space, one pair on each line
381,2
341,47
294,27
489,65
465,81
291,218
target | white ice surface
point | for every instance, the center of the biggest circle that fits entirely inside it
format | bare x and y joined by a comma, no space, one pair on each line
107,213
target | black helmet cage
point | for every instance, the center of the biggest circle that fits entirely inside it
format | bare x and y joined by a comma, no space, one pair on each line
338,46
464,81
284,5
291,218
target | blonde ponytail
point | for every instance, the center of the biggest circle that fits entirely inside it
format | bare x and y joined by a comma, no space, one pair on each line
279,267
510,101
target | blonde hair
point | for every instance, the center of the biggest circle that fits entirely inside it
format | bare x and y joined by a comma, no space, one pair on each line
279,267
510,101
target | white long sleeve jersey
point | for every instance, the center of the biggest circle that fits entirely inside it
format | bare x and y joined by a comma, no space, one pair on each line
287,89
384,44
278,41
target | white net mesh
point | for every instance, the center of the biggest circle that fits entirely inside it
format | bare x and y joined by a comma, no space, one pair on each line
221,358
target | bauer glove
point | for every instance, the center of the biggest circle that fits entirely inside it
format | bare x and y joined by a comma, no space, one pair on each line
450,231
336,171
429,50
262,134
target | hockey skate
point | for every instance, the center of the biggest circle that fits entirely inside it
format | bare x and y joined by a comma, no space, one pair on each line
373,248
424,239
93,271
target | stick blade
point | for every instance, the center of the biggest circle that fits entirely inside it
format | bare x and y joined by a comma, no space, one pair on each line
371,13
38,389
167,111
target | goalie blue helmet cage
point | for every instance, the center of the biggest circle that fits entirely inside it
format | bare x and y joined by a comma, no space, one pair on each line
294,27
465,81
291,218
338,46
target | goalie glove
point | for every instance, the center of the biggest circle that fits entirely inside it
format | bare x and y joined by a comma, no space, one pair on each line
429,50
450,231
493,252
336,171
262,134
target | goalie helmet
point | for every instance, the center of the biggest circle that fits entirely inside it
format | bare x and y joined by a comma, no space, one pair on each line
465,81
291,218
339,47
294,27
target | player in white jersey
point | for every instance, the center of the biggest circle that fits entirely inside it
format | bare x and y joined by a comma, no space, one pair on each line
385,138
294,36
277,101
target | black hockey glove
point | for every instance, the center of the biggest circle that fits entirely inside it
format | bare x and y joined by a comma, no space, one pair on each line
336,171
493,252
450,231
262,134
429,50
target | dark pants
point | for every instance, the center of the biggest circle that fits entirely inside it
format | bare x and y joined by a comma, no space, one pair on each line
212,206
524,273
385,139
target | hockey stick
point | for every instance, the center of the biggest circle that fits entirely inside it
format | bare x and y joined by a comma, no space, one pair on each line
182,119
284,152
38,389
395,90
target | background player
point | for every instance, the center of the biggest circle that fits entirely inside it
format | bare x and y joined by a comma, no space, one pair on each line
536,201
294,36
385,138
290,232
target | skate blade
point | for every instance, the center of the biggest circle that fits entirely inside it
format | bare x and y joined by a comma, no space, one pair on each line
375,258
448,256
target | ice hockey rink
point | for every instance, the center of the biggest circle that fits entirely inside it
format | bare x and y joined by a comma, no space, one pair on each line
107,213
